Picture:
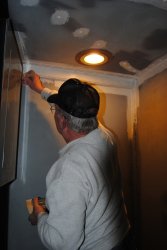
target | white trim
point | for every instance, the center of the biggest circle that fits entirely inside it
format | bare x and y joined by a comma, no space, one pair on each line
22,159
51,70
22,47
61,72
153,69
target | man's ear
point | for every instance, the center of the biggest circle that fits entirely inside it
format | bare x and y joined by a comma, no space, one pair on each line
63,123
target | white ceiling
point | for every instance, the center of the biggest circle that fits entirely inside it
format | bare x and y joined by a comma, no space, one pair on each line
134,31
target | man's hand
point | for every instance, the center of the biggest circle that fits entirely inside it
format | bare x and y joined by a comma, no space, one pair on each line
33,219
33,81
37,209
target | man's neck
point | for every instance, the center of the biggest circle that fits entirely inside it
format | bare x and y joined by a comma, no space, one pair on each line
72,135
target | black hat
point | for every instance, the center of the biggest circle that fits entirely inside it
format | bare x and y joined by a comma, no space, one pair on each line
77,98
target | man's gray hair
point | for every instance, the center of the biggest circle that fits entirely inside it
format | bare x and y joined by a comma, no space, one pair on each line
79,125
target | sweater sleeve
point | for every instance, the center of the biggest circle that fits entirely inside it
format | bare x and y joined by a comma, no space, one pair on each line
47,92
63,227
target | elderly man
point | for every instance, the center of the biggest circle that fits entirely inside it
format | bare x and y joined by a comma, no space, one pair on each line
85,206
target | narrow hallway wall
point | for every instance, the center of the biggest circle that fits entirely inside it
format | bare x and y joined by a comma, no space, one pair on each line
152,162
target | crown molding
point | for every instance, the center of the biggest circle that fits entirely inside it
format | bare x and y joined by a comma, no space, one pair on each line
153,69
62,72
52,70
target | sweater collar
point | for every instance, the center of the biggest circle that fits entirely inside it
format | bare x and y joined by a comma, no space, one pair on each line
83,139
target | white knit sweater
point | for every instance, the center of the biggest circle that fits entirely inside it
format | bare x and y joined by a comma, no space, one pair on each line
84,197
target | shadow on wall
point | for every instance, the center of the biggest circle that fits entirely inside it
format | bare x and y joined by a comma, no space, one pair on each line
103,109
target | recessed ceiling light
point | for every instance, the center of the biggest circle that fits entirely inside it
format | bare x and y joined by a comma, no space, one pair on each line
93,57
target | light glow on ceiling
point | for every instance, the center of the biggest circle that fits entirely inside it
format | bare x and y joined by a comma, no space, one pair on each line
93,57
